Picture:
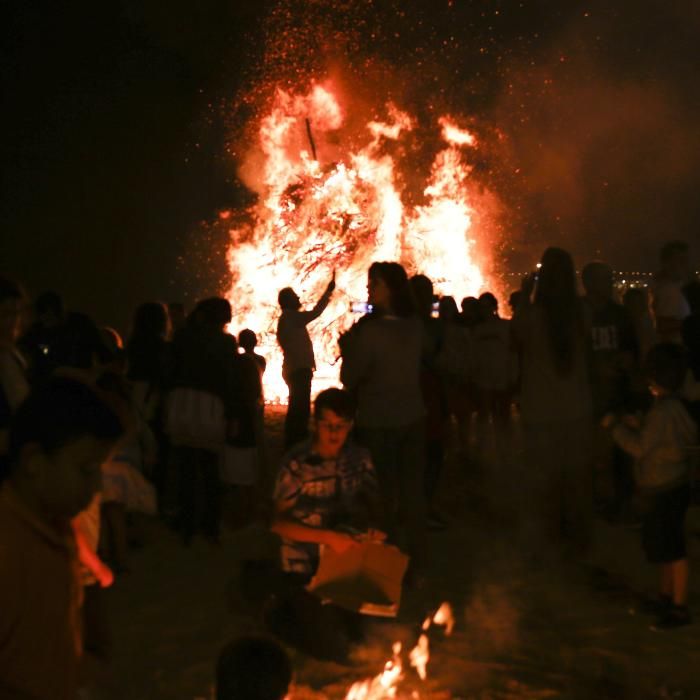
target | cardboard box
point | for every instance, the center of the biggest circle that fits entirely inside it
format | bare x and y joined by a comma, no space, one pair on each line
365,579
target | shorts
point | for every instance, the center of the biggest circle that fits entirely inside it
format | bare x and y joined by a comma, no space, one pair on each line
663,526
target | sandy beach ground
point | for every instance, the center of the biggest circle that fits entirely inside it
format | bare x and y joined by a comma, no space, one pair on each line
525,628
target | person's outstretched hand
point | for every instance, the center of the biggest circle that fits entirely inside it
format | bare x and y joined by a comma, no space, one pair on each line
105,576
339,542
608,420
632,421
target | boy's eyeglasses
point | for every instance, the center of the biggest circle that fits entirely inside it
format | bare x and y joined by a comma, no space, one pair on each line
335,427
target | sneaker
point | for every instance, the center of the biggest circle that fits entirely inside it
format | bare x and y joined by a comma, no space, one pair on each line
414,579
436,523
675,616
657,606
213,538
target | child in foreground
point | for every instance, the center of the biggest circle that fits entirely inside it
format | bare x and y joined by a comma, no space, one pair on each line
325,488
660,447
253,668
59,437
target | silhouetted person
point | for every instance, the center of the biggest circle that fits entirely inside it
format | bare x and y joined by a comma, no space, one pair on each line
14,387
514,300
614,356
471,314
455,361
669,305
660,445
381,366
434,400
299,363
249,476
253,668
78,345
147,349
613,338
150,366
555,404
248,341
38,343
636,301
691,327
177,315
493,363
470,317
203,406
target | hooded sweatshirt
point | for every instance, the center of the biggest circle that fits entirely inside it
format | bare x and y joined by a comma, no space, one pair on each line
660,447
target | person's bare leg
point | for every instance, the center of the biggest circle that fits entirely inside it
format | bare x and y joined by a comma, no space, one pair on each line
678,571
665,581
115,517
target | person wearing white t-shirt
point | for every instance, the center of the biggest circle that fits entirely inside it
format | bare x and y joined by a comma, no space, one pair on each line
669,305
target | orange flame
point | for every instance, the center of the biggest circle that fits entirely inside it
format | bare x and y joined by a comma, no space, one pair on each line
454,135
343,210
386,684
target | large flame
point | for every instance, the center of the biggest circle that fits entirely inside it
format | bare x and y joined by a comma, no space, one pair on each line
325,205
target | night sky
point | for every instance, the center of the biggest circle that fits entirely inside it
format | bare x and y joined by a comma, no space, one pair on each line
123,120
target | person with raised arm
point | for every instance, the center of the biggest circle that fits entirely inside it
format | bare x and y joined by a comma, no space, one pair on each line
299,362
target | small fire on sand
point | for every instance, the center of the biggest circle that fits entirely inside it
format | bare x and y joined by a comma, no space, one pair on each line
387,684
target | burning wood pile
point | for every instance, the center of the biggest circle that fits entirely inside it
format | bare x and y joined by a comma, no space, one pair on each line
338,193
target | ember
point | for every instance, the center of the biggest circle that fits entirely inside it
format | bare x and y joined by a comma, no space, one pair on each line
327,206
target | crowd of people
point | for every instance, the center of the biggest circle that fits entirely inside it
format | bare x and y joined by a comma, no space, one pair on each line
93,432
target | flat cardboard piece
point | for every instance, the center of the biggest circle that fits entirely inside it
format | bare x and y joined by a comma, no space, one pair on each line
365,579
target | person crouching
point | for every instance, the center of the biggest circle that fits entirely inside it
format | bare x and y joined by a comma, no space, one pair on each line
325,489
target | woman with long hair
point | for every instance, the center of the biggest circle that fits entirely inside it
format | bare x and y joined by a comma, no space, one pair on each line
381,366
555,402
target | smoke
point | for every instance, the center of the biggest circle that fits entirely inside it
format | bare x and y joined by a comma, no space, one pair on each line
603,136
491,620
586,113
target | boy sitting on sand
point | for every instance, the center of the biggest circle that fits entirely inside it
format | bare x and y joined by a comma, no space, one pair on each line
326,487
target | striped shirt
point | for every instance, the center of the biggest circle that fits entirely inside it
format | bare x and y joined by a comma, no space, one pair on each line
324,493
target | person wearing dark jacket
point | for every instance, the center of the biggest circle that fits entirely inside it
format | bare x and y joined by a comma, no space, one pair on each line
206,363
149,365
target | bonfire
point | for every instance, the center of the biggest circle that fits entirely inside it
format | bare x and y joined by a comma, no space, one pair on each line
335,199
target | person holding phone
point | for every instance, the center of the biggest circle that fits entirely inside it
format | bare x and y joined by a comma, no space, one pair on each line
381,367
